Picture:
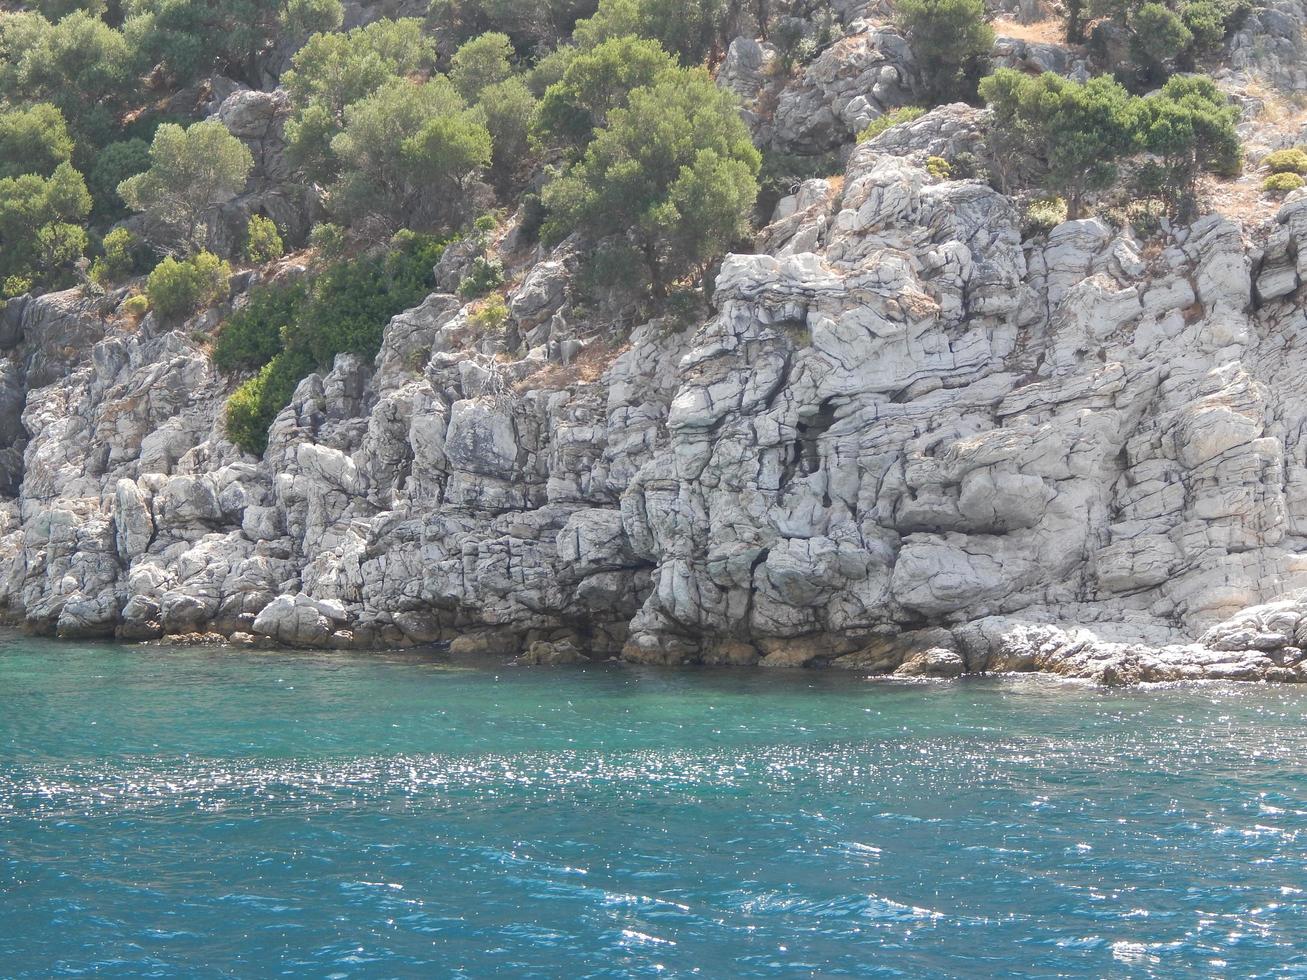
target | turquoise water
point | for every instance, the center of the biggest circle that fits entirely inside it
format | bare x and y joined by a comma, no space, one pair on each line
218,813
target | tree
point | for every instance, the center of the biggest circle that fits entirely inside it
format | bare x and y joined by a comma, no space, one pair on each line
509,110
406,156
80,64
40,228
675,171
114,164
1190,126
541,24
333,71
33,140
595,82
187,39
950,42
482,61
191,170
690,29
1158,39
1075,133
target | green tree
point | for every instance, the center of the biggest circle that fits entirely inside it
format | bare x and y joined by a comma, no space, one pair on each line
191,170
531,26
509,110
482,61
1075,133
1190,126
675,171
80,64
187,39
406,156
595,82
1158,39
114,164
333,71
262,241
690,29
951,42
33,140
41,233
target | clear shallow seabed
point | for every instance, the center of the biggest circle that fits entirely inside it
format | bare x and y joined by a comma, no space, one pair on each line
208,812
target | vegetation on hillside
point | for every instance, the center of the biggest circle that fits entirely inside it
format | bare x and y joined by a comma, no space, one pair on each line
597,120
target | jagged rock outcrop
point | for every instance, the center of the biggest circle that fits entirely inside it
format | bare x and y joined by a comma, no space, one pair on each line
906,442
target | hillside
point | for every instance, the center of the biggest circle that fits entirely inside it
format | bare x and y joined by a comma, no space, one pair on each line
901,340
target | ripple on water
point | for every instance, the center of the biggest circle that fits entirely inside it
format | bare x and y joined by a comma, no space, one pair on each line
354,817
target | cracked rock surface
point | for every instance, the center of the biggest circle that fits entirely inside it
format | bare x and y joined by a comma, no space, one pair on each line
906,442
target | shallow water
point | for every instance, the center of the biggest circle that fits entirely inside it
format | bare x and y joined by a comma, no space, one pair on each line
222,813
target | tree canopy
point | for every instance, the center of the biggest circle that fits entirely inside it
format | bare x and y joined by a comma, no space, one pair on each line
191,170
674,170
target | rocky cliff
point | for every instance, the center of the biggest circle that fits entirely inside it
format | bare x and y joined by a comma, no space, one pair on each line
906,441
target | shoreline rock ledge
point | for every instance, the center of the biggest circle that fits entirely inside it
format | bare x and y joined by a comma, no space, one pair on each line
906,441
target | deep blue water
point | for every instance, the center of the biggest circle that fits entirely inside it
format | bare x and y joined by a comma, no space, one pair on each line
221,813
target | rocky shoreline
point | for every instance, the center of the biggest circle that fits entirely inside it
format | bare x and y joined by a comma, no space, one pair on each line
906,436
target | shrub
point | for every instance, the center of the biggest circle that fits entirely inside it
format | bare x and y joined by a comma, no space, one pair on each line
251,337
16,286
1292,161
491,315
889,120
1043,215
1282,183
351,302
253,406
124,255
179,288
136,306
262,243
328,239
938,168
114,164
486,275
486,222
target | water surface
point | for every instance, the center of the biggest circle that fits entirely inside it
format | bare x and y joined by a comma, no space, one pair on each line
225,813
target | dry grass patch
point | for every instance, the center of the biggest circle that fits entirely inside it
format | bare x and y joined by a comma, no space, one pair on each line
1049,31
586,368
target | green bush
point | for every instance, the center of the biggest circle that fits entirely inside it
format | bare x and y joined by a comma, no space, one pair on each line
1292,161
491,316
345,309
328,239
136,306
1282,183
938,168
1043,215
486,274
262,243
251,337
123,255
179,288
889,120
253,406
16,286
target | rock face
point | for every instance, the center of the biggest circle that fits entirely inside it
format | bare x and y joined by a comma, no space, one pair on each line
906,443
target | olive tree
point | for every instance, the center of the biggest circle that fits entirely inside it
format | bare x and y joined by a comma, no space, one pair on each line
191,171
